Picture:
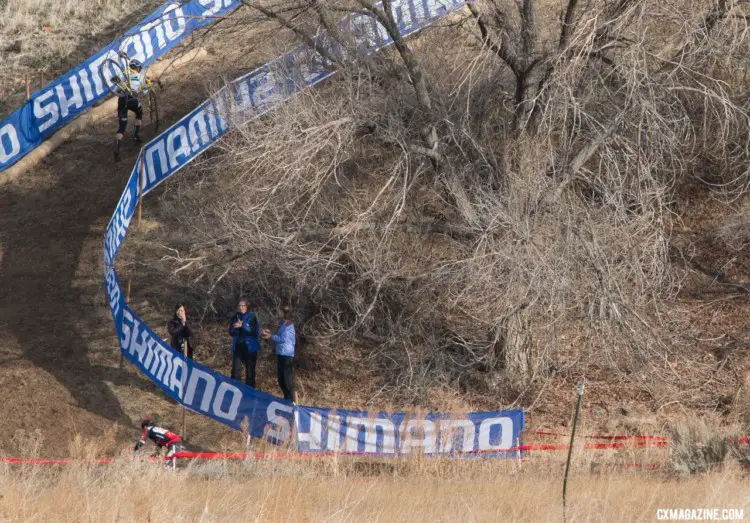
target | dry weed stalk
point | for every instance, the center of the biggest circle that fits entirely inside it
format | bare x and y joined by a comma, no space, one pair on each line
697,447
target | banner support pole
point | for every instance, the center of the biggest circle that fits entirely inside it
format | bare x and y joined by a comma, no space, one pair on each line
141,180
27,81
518,452
184,409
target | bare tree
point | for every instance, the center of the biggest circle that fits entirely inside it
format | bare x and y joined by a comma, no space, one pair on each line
492,202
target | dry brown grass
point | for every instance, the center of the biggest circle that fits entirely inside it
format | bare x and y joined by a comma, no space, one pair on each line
34,31
313,491
20,16
52,36
604,485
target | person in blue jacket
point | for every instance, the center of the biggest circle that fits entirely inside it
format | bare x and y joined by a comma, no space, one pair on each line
284,338
245,342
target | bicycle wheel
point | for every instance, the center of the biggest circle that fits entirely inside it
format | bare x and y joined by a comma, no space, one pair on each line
153,110
110,69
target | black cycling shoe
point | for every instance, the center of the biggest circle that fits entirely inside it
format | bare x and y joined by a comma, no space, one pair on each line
117,156
137,139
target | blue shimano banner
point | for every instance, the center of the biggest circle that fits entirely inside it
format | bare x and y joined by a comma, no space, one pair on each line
257,92
198,388
120,221
208,392
474,434
61,101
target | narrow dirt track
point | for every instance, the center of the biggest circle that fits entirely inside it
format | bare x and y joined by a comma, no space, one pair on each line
58,351
51,312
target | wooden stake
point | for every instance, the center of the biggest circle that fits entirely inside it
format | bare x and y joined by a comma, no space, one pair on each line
141,183
518,452
127,292
127,300
28,86
41,79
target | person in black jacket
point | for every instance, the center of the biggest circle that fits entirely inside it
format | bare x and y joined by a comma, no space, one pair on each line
180,331
245,332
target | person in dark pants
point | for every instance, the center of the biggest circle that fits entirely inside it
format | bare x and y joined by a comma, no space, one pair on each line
129,91
284,338
245,342
180,333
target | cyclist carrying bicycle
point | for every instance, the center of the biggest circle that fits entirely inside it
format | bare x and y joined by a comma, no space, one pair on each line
129,91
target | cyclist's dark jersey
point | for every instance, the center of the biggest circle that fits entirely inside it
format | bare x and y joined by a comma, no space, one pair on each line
162,437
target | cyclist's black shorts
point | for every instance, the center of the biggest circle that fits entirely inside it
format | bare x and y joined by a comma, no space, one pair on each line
129,103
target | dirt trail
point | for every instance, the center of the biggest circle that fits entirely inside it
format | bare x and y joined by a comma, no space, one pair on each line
51,314
58,351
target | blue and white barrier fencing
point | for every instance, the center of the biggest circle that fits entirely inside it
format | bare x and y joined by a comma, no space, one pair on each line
62,100
212,394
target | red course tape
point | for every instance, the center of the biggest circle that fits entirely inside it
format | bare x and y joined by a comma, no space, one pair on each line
604,436
614,443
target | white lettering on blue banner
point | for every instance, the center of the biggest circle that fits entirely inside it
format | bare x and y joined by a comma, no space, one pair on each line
472,434
198,388
202,389
118,225
56,104
255,93
9,145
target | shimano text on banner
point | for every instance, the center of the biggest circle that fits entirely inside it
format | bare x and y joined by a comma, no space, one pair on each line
257,92
230,402
59,102
381,433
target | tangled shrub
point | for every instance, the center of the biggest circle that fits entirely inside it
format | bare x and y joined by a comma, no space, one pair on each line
696,448
462,201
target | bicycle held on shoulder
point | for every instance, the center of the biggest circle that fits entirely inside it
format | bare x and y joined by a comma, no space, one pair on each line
113,73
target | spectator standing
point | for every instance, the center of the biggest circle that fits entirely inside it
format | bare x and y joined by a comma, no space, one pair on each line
180,333
284,338
245,333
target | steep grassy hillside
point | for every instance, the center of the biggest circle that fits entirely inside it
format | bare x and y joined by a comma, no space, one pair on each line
506,207
39,39
467,253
